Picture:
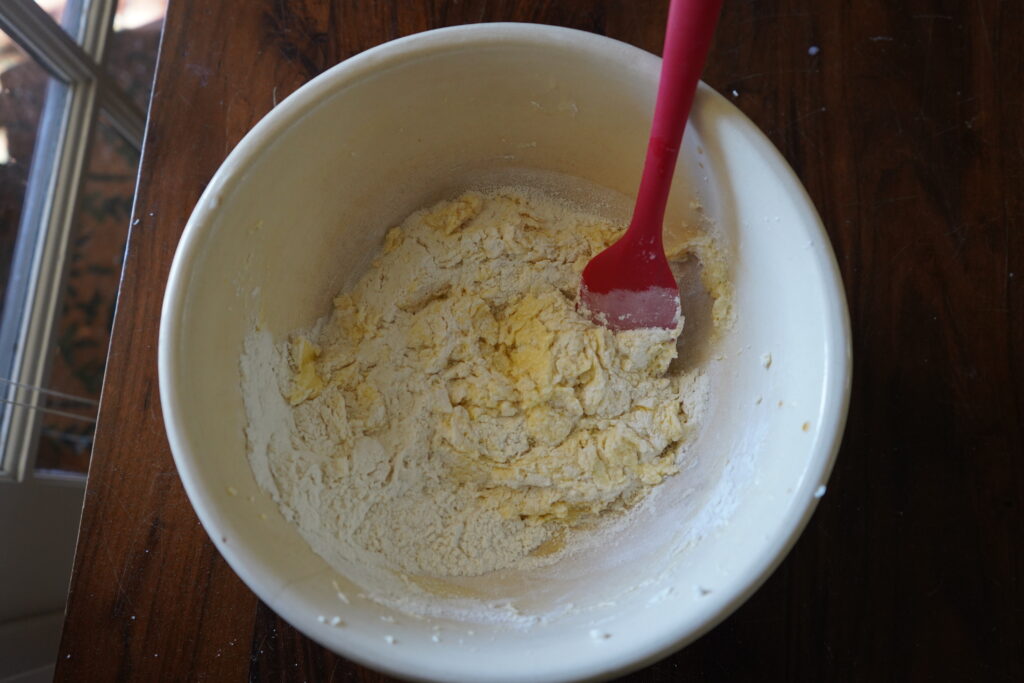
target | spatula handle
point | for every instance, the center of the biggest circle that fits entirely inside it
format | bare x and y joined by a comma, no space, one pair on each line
688,36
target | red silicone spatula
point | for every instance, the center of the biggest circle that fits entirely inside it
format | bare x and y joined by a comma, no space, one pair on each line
629,285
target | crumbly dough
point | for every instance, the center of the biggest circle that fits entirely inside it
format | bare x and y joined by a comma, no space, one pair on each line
463,414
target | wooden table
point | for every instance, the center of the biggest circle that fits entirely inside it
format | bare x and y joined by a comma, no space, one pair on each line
904,121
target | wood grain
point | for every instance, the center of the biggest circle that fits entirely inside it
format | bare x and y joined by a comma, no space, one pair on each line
904,122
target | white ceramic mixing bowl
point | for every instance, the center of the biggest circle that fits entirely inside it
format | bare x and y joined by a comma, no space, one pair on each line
301,205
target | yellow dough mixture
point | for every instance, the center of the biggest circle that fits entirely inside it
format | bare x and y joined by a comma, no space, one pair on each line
462,414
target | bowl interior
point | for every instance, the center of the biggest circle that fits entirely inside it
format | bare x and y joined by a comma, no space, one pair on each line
300,208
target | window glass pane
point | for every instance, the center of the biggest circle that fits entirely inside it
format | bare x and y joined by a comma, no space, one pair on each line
95,254
55,8
131,53
22,93
136,14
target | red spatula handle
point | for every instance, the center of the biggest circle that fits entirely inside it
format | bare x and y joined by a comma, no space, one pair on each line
691,27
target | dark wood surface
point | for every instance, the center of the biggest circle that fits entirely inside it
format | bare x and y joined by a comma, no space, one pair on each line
904,121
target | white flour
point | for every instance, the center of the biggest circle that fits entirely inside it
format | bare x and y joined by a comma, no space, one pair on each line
454,416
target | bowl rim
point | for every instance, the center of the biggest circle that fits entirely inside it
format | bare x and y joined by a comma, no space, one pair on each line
836,382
